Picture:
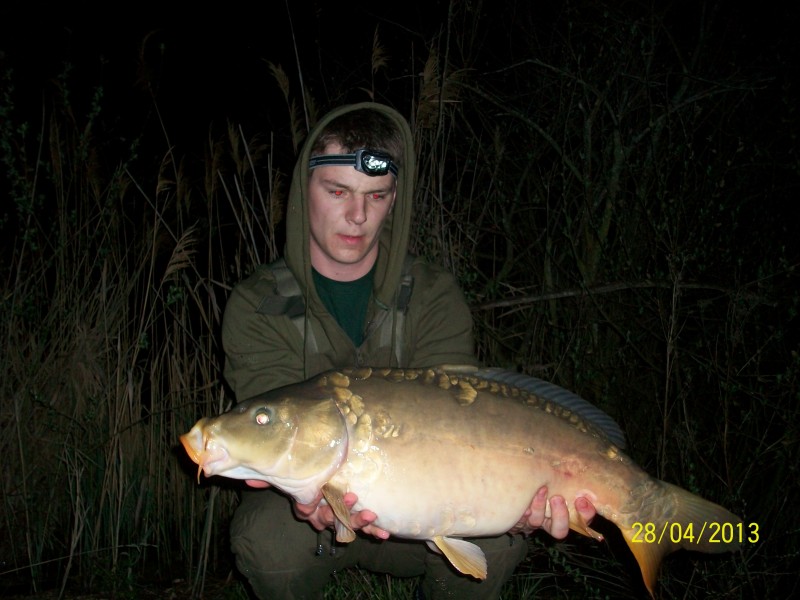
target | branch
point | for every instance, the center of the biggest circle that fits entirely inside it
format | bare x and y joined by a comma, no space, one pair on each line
614,287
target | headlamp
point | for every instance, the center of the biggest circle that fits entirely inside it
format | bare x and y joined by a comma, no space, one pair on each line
371,162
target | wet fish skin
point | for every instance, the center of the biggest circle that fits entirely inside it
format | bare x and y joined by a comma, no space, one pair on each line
441,454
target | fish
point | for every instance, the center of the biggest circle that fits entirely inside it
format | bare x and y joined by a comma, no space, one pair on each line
446,453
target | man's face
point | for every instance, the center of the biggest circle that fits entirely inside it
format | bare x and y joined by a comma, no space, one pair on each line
347,209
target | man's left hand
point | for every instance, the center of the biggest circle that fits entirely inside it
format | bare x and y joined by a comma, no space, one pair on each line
554,521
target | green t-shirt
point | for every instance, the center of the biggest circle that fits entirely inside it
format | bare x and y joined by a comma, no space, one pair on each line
347,301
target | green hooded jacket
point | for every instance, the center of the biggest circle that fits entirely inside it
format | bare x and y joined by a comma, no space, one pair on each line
265,351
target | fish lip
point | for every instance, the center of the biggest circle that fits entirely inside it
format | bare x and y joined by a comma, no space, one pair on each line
213,459
193,442
204,451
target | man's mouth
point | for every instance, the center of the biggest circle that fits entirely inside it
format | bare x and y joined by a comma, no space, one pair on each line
351,239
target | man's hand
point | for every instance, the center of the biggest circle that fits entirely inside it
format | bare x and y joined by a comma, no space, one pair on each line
321,516
554,521
256,483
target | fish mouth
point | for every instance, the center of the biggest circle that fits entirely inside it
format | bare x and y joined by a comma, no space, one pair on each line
203,450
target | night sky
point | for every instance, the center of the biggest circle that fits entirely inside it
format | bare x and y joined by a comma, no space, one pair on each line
196,69
204,65
209,63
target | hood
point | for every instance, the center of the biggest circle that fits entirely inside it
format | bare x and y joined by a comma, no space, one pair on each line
393,241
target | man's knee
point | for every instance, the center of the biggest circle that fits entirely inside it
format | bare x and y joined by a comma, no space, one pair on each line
276,553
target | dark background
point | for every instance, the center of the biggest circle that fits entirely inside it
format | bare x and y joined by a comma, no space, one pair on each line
614,184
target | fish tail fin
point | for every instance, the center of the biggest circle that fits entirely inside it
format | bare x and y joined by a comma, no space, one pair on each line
679,519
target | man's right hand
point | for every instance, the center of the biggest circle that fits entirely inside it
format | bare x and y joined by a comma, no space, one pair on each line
320,516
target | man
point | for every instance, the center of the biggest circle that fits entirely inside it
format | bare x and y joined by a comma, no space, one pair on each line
348,294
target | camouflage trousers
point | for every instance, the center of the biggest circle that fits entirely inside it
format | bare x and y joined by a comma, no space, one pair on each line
283,558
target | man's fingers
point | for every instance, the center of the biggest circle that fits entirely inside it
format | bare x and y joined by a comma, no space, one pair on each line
320,515
304,510
538,509
309,512
256,483
559,518
376,532
362,518
363,521
585,509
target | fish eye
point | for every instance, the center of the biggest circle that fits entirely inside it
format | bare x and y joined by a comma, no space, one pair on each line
263,416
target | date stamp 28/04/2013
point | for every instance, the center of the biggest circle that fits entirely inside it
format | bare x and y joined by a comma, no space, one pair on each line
711,532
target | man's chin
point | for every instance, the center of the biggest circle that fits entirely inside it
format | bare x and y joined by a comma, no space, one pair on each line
349,255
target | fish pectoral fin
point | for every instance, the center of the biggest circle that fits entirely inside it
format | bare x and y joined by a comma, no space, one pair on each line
335,499
578,523
463,555
344,533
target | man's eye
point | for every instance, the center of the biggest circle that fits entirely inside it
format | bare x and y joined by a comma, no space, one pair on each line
377,196
338,193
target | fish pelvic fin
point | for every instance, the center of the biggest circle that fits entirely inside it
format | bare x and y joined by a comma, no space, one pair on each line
465,556
335,499
687,522
578,523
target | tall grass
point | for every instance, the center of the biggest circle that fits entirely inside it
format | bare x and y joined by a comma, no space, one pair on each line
113,297
610,206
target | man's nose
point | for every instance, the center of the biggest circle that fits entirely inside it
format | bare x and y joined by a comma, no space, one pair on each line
356,212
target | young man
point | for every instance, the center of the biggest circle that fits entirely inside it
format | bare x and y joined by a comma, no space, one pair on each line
349,294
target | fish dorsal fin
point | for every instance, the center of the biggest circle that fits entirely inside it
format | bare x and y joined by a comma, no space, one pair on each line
588,412
464,556
335,499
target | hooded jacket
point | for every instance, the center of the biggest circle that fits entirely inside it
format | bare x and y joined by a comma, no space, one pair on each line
265,351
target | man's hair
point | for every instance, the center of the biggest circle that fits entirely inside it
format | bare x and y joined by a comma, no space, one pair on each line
362,128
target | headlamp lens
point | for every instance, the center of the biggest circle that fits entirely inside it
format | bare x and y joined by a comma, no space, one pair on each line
372,163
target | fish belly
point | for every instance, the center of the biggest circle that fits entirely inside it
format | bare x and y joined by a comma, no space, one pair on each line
434,467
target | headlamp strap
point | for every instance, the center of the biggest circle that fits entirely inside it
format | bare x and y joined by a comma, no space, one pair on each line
370,162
